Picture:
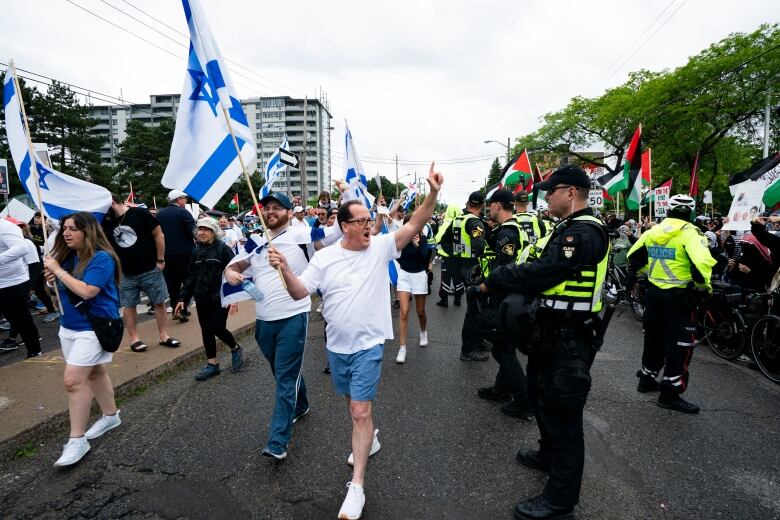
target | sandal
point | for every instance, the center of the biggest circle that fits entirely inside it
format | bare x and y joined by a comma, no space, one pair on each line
170,342
138,346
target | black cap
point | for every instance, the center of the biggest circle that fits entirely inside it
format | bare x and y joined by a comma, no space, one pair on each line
501,196
476,197
521,196
568,175
281,198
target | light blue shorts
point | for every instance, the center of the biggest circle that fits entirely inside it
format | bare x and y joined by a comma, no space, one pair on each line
357,375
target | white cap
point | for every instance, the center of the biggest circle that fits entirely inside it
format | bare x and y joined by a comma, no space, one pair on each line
297,209
175,194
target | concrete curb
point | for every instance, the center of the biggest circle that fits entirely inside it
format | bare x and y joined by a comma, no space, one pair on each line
56,423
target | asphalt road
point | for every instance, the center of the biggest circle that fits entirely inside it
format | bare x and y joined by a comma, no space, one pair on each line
192,450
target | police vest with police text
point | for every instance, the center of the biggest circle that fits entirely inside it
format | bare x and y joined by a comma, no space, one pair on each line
461,240
533,225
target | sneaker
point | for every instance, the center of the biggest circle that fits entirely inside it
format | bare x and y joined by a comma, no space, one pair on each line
236,358
40,307
475,355
517,408
73,451
150,310
52,316
374,448
423,338
491,393
534,459
180,317
169,310
353,504
401,357
300,414
102,425
268,452
319,309
4,325
8,345
673,401
207,372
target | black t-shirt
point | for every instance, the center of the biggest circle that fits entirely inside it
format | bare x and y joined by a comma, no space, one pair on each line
131,236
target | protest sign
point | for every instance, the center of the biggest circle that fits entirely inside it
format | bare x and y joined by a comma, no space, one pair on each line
745,206
661,201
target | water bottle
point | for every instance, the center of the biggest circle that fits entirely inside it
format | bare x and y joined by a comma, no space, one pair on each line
252,290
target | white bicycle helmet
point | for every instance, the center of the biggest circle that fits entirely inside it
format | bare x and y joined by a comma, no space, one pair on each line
681,202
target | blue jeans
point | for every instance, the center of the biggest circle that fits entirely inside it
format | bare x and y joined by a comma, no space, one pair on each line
282,342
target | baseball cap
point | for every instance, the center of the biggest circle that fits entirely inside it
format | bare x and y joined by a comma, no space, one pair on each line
176,194
568,175
297,209
521,196
502,196
281,198
476,197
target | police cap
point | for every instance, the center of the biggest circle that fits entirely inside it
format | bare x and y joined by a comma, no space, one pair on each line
502,197
476,198
568,175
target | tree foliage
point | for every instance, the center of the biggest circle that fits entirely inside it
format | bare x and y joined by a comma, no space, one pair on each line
714,105
141,160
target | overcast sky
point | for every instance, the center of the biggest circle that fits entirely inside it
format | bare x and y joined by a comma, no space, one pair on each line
426,80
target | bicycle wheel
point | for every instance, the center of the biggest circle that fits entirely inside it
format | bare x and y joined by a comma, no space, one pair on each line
765,342
719,330
636,299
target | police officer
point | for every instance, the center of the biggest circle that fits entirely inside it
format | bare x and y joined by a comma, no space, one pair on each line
679,264
444,249
565,271
504,243
534,225
468,244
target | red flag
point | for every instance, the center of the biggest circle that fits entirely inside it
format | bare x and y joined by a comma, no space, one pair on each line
646,176
130,198
693,191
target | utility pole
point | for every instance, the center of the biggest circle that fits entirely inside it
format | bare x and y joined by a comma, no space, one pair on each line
508,150
304,184
396,176
766,119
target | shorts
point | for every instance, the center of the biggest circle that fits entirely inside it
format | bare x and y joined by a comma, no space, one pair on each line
81,348
357,375
151,283
415,283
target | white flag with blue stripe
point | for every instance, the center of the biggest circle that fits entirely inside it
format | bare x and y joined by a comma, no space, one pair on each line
274,168
355,175
204,163
61,194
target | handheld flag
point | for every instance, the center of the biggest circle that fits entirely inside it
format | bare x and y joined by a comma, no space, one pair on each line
693,190
59,194
234,202
411,194
203,161
274,168
355,174
632,170
517,172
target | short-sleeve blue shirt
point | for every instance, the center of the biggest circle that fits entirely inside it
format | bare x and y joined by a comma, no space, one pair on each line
99,273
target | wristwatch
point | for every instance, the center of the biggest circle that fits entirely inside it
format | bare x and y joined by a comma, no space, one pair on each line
161,261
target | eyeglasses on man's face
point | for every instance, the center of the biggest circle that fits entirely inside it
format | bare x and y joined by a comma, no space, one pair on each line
362,222
554,188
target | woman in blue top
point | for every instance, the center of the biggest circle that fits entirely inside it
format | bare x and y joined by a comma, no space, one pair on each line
83,262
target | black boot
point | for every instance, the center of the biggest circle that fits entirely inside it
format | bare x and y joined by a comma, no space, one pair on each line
647,384
457,300
491,393
673,401
442,302
534,459
518,407
538,508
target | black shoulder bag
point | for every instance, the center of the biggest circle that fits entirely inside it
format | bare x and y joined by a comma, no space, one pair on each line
109,331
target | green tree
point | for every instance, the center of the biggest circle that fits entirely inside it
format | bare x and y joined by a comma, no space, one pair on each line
141,159
494,175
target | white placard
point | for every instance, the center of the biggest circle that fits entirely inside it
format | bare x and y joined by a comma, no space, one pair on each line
4,176
707,197
18,210
746,205
661,201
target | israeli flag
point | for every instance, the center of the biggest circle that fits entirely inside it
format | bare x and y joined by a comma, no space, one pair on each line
274,168
355,175
411,193
60,194
203,162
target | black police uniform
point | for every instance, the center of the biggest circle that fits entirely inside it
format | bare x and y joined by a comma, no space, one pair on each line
505,243
461,271
558,375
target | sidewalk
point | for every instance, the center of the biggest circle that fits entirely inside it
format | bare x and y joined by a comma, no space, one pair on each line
33,403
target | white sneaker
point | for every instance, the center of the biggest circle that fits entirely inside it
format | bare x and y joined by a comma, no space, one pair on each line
73,452
401,357
423,338
374,448
353,504
102,425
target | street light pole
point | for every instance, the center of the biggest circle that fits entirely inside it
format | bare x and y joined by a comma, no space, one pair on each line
507,146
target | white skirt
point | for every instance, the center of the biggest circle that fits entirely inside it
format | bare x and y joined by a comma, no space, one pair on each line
415,283
82,348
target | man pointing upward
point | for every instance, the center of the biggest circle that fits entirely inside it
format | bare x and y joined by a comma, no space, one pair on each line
353,278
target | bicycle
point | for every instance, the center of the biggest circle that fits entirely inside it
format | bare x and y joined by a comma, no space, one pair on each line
765,340
633,298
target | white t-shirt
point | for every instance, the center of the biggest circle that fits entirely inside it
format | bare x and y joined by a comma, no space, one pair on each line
277,304
294,222
13,269
356,299
32,253
231,239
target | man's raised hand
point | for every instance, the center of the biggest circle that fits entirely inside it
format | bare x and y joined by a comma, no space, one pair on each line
435,180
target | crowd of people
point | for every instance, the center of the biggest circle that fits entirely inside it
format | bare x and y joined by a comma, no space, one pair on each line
533,282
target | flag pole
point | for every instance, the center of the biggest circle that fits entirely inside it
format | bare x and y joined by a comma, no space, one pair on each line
154,199
251,190
132,195
34,169
650,175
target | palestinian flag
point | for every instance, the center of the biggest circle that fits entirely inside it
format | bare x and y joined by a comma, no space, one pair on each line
756,171
772,194
130,198
517,172
650,195
234,202
693,190
632,170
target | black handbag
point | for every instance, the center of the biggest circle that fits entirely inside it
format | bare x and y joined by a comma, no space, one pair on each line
109,331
